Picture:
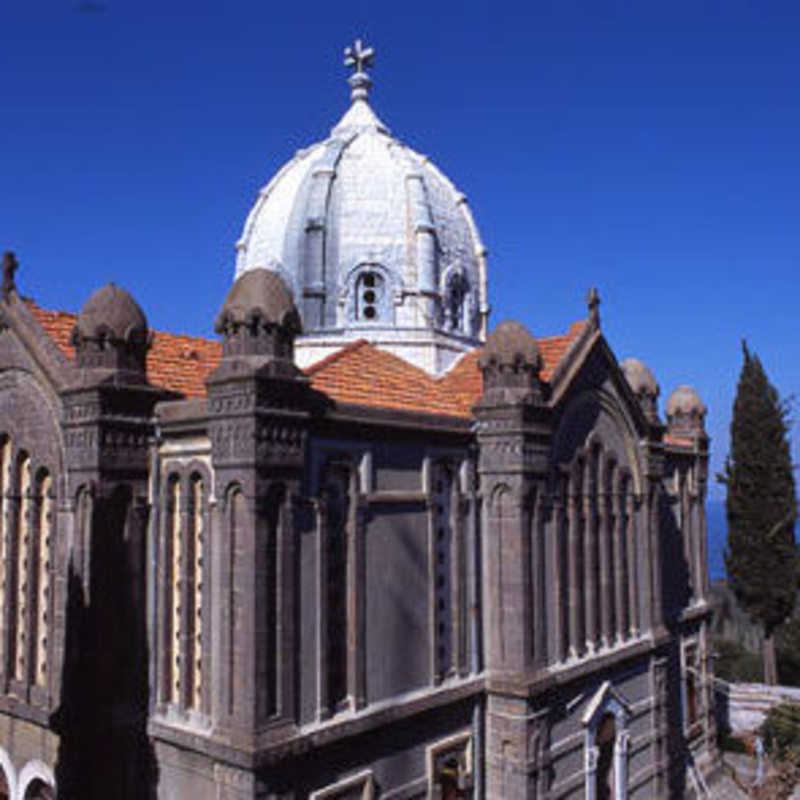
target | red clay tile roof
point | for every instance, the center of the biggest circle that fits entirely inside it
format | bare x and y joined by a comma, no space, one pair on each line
678,441
359,373
176,362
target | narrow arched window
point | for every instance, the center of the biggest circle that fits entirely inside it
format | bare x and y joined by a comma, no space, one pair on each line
172,592
605,739
21,578
194,594
370,291
456,306
5,544
41,595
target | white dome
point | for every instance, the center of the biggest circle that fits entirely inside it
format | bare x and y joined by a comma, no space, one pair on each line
375,243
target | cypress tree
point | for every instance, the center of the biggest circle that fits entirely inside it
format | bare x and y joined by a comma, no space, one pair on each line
761,556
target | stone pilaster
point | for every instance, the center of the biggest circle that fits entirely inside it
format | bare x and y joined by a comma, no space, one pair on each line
257,428
107,428
514,441
258,410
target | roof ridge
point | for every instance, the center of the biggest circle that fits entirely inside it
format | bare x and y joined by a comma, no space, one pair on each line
350,347
191,336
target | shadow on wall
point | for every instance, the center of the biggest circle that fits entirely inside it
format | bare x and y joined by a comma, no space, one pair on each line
676,595
675,578
102,720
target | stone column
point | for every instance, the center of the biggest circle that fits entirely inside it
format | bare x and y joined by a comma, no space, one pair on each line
590,556
576,641
258,417
514,434
620,571
631,538
604,526
538,567
426,248
559,531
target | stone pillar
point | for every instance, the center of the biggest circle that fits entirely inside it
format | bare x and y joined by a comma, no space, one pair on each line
107,428
258,409
631,539
516,749
258,434
425,235
576,588
620,570
514,435
605,524
590,609
557,567
538,572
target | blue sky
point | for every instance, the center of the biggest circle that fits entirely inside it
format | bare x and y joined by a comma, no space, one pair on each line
650,149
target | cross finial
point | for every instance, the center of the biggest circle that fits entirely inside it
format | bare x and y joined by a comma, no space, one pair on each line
593,301
10,266
360,58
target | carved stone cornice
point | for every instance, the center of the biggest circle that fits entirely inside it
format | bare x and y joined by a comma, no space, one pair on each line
107,428
257,416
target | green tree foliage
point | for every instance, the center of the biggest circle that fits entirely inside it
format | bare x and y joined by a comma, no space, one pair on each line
761,555
781,728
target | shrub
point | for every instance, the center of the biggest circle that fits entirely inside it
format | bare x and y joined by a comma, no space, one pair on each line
781,730
736,664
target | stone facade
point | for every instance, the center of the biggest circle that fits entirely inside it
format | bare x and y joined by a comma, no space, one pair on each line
269,590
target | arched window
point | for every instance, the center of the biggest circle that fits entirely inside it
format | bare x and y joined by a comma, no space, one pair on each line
22,534
41,572
604,741
37,789
194,594
184,545
370,296
456,301
5,533
171,685
450,774
606,745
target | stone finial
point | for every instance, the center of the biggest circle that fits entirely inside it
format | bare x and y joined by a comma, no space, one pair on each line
10,266
511,362
686,412
644,385
360,58
593,302
111,333
259,317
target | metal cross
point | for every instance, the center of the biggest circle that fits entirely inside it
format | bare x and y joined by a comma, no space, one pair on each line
358,56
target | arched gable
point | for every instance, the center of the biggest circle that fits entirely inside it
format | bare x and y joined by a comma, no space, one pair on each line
597,418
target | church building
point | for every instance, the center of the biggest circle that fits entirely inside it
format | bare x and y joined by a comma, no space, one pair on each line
360,547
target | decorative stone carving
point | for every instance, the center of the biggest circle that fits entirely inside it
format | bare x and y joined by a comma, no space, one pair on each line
10,266
111,335
510,363
643,385
686,412
258,317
